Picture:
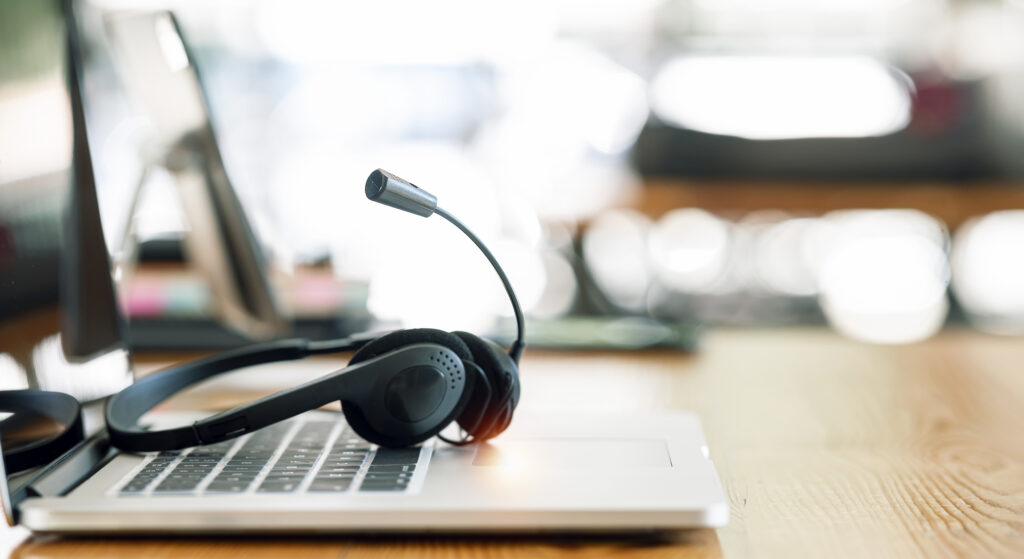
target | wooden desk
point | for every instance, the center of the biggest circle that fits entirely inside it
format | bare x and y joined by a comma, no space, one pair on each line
953,203
827,448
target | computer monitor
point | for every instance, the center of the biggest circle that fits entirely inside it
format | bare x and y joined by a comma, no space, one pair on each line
159,73
60,328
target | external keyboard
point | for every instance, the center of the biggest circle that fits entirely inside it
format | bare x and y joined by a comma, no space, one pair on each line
295,456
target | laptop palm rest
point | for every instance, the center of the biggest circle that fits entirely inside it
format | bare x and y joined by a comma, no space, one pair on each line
574,454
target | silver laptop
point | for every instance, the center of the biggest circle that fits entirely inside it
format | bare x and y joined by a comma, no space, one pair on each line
314,474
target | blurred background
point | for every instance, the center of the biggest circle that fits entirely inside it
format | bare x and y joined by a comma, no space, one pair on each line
642,168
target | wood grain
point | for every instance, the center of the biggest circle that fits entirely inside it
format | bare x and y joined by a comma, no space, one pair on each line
827,448
697,544
840,449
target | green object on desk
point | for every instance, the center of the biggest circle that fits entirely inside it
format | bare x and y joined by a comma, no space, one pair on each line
630,332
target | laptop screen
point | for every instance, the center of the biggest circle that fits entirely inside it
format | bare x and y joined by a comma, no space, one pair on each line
60,327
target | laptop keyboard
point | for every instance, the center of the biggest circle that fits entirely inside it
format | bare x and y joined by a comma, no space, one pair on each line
297,456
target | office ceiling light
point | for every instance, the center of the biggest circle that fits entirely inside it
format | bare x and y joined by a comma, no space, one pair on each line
780,97
988,271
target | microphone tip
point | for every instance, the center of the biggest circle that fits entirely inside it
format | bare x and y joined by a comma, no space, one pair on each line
375,184
391,190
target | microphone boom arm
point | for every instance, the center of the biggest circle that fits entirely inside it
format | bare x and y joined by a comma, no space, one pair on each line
515,351
391,190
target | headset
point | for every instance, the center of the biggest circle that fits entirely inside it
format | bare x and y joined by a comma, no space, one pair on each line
399,389
25,405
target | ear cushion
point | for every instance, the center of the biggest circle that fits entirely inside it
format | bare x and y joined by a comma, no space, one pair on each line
401,338
503,376
388,342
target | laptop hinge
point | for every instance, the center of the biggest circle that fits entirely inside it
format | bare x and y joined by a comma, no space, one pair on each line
66,472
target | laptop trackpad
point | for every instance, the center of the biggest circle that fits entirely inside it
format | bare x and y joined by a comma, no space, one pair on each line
575,454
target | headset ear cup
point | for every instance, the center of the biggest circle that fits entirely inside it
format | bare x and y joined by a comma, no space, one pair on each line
357,421
392,341
502,375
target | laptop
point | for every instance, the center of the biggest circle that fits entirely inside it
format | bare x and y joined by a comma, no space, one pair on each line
314,474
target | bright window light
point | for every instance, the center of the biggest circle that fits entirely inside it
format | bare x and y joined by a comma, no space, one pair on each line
774,98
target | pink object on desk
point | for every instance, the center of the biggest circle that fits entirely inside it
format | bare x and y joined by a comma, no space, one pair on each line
145,298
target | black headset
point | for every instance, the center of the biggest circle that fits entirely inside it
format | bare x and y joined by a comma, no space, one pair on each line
399,389
26,405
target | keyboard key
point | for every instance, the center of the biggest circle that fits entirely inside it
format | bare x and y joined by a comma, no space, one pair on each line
335,475
381,487
176,485
278,486
402,475
194,467
392,456
282,474
375,468
329,485
294,464
243,467
340,467
248,461
215,487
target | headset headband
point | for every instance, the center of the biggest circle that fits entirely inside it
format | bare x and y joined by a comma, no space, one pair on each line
125,408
